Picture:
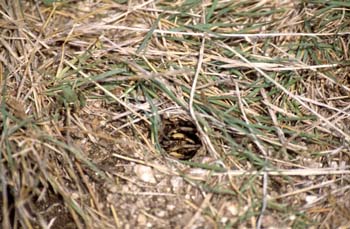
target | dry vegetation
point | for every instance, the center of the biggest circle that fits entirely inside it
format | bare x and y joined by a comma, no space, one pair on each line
91,90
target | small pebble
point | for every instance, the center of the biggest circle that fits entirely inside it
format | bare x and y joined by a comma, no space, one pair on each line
145,174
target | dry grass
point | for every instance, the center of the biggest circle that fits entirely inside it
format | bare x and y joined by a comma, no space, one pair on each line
86,87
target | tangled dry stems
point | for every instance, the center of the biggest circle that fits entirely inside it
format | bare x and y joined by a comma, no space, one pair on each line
267,86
